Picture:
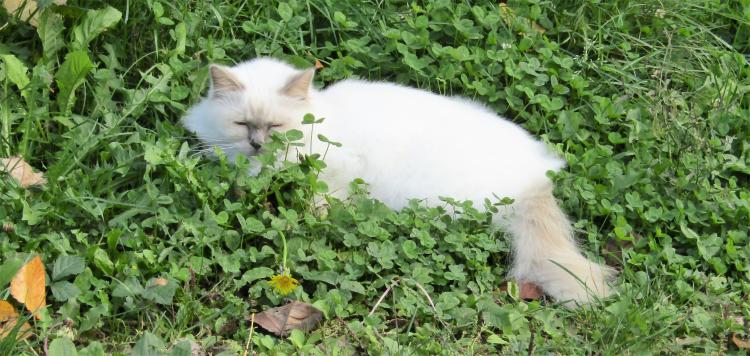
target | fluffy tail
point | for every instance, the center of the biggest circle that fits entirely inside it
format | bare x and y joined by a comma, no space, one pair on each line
546,253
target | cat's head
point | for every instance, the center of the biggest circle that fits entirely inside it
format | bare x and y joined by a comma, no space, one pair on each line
247,102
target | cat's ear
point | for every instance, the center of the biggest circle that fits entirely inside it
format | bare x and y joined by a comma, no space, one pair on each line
223,81
299,85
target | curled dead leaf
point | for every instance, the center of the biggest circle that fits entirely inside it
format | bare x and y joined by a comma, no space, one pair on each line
529,291
28,286
740,343
21,172
526,291
318,65
284,319
9,320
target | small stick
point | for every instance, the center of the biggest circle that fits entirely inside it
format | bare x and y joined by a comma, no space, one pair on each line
532,343
250,337
380,300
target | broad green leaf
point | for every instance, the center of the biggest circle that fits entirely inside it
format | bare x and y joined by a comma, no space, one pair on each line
353,286
180,33
184,347
294,135
64,290
93,24
70,75
8,269
160,290
50,32
130,288
15,70
95,348
257,273
410,249
149,345
285,11
709,246
67,266
297,337
62,346
102,261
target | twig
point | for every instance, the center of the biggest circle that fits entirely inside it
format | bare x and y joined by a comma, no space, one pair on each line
250,337
434,310
532,343
380,300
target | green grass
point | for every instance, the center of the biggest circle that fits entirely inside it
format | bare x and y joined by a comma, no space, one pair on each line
647,101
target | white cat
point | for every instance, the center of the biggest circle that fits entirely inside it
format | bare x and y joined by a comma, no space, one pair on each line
408,143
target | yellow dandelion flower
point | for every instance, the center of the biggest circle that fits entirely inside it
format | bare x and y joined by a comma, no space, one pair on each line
283,283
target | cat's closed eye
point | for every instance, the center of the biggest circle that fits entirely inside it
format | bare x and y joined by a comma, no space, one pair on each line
247,124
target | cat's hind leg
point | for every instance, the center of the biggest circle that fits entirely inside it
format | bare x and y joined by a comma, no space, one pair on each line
545,252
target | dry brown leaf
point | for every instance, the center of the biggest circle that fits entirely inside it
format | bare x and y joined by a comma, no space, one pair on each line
22,172
9,319
29,7
742,344
526,290
529,291
284,319
318,65
28,286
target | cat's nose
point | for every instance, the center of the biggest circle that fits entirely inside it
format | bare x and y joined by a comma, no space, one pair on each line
255,145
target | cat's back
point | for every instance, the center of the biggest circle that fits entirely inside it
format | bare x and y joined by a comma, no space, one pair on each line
427,144
383,109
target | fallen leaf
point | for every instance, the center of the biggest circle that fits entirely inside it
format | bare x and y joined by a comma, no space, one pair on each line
22,172
529,291
28,286
318,65
9,320
295,315
29,8
742,344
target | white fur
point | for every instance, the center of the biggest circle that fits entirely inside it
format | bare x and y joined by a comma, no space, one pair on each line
408,143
